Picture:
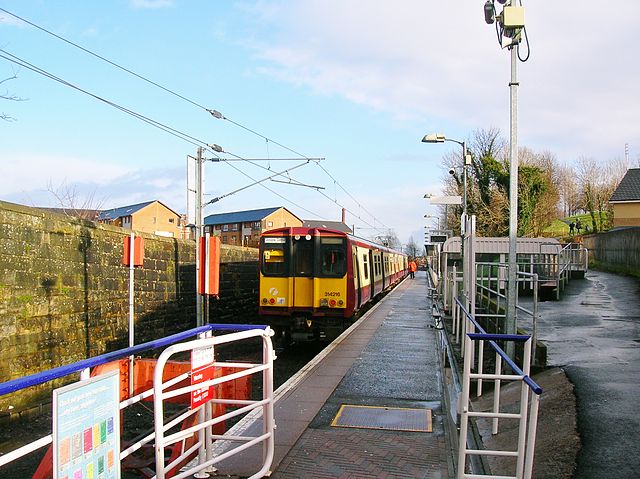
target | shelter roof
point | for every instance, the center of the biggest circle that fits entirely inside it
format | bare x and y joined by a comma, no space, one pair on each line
501,245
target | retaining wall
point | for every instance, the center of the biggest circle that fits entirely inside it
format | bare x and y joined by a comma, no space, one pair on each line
64,292
617,250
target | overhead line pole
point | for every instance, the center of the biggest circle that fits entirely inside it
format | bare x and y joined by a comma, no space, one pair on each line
198,207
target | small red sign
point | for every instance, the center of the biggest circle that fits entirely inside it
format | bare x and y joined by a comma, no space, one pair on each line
202,369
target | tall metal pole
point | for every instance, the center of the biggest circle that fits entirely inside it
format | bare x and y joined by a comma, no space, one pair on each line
131,309
198,208
511,325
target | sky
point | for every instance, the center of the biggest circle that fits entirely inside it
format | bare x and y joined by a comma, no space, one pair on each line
355,83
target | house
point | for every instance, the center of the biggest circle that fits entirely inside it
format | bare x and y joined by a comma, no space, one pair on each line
243,228
625,201
149,217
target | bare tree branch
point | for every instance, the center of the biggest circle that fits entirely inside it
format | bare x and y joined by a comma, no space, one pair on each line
9,97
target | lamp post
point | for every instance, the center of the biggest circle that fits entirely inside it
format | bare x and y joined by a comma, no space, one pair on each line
436,217
510,26
466,160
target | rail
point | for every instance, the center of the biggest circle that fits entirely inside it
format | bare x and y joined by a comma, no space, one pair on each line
529,399
158,390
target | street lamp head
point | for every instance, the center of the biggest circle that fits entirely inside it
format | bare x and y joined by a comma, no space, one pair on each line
428,195
433,138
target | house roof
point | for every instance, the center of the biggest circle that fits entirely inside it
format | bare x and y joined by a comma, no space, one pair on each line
115,213
629,187
240,216
332,225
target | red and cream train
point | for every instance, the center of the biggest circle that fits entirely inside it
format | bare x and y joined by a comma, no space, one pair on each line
313,280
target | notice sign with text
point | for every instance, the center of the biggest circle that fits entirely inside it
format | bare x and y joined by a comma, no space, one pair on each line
202,370
86,429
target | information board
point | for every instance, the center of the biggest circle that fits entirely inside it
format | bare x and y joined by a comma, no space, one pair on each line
86,429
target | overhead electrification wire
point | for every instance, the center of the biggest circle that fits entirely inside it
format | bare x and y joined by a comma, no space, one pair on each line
170,130
100,57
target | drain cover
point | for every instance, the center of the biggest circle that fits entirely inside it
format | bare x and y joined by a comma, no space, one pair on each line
374,417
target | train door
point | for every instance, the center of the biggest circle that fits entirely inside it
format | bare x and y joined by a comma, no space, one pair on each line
372,275
357,284
303,261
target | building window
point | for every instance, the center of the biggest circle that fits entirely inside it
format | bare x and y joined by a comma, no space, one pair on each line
225,227
256,225
269,224
171,220
234,227
233,239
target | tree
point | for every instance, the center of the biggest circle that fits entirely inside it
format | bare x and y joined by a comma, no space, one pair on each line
411,248
10,97
488,186
72,203
597,184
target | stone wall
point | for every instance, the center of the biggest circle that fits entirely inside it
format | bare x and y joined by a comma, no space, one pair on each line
64,292
617,250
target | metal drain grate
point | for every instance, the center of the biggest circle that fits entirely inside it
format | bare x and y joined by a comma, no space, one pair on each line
392,418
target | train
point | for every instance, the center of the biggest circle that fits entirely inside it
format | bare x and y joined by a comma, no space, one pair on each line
313,281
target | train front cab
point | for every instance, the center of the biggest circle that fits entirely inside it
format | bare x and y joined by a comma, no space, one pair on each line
303,280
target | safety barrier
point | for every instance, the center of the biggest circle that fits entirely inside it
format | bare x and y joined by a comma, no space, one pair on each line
529,399
202,428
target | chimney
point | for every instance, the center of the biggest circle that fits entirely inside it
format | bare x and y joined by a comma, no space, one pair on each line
344,216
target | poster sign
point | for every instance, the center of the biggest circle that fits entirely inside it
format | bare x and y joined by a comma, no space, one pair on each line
202,370
86,429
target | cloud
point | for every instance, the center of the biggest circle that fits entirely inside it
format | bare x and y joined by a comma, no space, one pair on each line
6,19
416,61
151,3
32,179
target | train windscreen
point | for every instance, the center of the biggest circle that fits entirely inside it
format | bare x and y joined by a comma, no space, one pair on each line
275,256
333,257
303,257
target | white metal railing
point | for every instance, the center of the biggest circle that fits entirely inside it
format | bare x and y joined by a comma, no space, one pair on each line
160,393
205,422
527,416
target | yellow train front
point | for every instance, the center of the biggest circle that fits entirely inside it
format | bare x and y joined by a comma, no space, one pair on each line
313,280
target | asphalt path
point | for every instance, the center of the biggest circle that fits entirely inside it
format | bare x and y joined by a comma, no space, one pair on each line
593,333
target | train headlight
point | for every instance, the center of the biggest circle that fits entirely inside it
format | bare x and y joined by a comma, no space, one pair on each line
272,301
340,302
265,300
332,303
324,303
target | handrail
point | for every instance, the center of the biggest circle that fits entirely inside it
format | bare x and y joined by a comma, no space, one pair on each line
483,335
61,371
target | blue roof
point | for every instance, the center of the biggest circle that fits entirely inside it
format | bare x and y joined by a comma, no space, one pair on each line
239,216
116,213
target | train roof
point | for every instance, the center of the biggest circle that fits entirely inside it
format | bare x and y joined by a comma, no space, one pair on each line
303,231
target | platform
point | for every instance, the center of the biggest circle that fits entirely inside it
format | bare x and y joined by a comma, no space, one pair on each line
388,359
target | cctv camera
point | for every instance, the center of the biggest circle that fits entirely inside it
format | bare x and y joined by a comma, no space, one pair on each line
489,12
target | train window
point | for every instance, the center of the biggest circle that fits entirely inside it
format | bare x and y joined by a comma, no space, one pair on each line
303,257
365,265
274,256
333,258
